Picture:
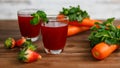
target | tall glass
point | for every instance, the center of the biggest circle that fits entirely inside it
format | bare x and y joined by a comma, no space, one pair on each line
28,30
54,34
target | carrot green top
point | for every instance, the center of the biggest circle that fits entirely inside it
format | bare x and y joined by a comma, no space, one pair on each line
74,13
105,32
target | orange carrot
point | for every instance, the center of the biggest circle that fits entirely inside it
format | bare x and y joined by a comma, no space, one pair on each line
87,22
72,30
118,26
62,18
103,50
75,26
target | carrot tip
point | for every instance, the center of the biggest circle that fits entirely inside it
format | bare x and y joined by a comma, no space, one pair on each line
39,57
96,53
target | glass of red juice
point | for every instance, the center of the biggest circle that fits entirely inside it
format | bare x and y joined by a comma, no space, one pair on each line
54,34
28,30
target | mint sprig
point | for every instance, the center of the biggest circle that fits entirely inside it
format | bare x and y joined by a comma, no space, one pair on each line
106,32
74,13
39,16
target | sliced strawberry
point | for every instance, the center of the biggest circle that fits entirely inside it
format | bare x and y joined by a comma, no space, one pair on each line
20,41
9,43
27,55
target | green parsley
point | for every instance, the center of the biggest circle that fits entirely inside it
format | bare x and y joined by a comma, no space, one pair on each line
106,32
39,15
74,13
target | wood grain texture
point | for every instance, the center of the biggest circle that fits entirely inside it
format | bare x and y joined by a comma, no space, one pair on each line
76,53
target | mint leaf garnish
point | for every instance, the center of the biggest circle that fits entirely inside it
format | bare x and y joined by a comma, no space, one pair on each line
37,16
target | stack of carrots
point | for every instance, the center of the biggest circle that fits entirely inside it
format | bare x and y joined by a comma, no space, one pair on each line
79,21
105,39
75,25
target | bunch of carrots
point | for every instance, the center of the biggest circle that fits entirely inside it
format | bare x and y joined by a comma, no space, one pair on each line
77,19
102,38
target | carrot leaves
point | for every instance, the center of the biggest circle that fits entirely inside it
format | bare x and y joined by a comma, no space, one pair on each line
74,13
106,32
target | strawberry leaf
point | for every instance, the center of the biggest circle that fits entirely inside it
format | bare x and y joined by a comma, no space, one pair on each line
22,55
29,45
8,42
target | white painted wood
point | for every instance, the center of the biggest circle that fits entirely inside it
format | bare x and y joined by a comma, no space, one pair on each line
97,9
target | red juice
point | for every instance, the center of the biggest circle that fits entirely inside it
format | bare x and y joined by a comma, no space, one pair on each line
26,29
54,36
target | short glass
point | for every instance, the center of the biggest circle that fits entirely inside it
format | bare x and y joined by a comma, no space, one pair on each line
28,30
54,34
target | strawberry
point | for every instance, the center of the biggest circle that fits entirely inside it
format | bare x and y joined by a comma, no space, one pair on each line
20,41
27,55
9,43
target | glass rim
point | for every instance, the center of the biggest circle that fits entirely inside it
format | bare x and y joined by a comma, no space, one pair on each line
27,11
54,15
54,18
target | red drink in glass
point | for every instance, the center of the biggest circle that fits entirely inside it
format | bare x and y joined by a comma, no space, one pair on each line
54,36
27,29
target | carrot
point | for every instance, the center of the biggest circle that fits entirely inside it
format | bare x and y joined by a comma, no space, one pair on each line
61,18
74,27
72,30
118,26
102,50
87,22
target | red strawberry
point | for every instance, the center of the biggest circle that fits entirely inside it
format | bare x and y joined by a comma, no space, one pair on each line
9,43
27,55
20,41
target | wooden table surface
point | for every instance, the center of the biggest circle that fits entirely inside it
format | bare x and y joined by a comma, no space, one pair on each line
75,55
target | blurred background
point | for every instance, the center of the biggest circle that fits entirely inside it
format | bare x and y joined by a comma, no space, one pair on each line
97,9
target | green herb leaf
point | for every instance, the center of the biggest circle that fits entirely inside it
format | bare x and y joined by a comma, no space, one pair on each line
106,32
39,15
34,21
74,13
